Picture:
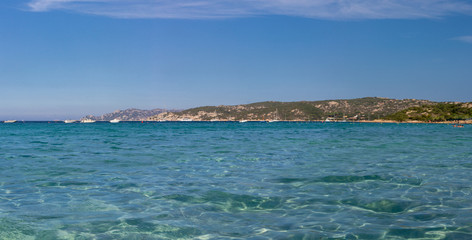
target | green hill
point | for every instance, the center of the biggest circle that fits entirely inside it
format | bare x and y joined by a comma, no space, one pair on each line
434,113
355,109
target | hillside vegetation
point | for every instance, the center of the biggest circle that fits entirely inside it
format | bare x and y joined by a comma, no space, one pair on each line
434,113
354,109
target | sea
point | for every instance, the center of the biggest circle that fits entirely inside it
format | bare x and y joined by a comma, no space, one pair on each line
231,180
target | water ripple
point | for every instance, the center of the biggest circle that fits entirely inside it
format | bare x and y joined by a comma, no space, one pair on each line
235,181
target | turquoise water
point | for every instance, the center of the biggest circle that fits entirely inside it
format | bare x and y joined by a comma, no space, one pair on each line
235,180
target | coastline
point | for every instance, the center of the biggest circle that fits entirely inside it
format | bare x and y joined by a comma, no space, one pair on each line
414,121
381,121
323,121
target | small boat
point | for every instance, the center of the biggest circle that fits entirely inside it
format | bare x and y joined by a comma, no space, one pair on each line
70,121
276,117
242,121
10,121
115,121
87,121
214,120
329,119
186,120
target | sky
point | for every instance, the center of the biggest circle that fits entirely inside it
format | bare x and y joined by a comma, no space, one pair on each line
64,59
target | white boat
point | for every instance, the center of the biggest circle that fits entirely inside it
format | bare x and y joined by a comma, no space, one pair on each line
276,116
10,121
70,121
330,119
115,121
87,121
242,121
214,120
186,120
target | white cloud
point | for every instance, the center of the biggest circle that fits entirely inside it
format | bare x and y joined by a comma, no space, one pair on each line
467,39
320,9
46,5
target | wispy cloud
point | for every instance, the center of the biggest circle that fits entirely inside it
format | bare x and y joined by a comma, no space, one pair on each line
466,39
320,9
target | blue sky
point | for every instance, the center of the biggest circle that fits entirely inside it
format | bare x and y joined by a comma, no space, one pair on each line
68,58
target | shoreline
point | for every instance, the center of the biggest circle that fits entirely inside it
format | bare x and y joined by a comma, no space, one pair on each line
381,121
414,121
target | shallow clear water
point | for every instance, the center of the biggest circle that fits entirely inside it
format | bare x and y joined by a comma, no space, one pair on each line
235,180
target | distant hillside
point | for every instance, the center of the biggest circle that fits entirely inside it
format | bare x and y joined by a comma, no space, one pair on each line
130,114
434,113
358,109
